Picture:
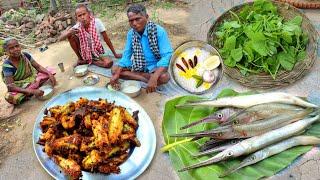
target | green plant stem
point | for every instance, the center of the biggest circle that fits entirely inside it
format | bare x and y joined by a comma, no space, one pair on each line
169,146
249,70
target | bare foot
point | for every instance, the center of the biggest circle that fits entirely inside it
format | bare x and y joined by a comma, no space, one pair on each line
80,62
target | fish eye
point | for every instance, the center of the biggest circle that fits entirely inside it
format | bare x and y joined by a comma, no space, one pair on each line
230,153
220,115
253,158
236,122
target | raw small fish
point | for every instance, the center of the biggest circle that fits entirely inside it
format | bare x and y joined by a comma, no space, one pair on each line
255,143
261,111
251,100
217,117
272,150
273,122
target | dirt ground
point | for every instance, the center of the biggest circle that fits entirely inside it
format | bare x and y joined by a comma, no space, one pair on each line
183,22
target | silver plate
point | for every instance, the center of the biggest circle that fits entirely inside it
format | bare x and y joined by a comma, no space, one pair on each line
199,44
139,159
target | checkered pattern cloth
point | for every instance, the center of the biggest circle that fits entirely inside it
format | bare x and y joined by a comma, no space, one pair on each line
138,60
89,42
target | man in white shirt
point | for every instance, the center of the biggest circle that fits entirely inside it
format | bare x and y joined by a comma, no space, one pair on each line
87,38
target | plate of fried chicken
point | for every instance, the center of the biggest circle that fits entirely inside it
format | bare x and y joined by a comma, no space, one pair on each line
93,133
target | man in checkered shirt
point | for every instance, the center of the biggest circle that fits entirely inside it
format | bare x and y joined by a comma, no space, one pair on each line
87,39
147,52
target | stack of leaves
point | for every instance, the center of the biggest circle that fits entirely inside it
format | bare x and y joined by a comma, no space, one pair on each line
258,39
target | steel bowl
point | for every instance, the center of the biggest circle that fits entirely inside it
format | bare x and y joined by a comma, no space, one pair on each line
91,80
131,88
48,92
195,44
81,70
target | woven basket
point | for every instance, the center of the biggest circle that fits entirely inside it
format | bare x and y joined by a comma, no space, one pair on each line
284,78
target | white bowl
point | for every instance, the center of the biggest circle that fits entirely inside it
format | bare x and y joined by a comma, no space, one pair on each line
131,88
81,70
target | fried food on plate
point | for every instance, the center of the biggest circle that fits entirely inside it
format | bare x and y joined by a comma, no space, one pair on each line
89,135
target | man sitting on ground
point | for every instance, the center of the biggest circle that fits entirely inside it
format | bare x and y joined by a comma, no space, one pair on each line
86,38
147,51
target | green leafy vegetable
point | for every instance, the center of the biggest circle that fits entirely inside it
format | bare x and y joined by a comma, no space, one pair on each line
180,149
257,34
199,83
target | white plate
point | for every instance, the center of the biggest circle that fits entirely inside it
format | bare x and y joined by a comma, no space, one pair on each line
141,156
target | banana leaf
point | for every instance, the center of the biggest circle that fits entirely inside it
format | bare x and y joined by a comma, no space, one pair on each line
181,149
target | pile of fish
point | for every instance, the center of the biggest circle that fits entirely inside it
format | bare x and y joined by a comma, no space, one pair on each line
261,125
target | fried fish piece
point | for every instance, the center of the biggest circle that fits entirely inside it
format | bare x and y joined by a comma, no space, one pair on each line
69,143
69,166
116,125
68,122
109,168
50,134
87,121
47,122
86,144
92,160
130,120
81,102
100,134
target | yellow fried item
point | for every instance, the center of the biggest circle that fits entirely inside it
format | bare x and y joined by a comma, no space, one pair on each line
128,129
68,143
81,102
129,119
69,166
87,121
68,122
47,136
87,144
47,122
100,134
48,149
92,160
115,125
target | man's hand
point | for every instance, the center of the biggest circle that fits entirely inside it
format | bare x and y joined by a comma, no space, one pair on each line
72,31
152,84
118,56
52,80
114,82
37,92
